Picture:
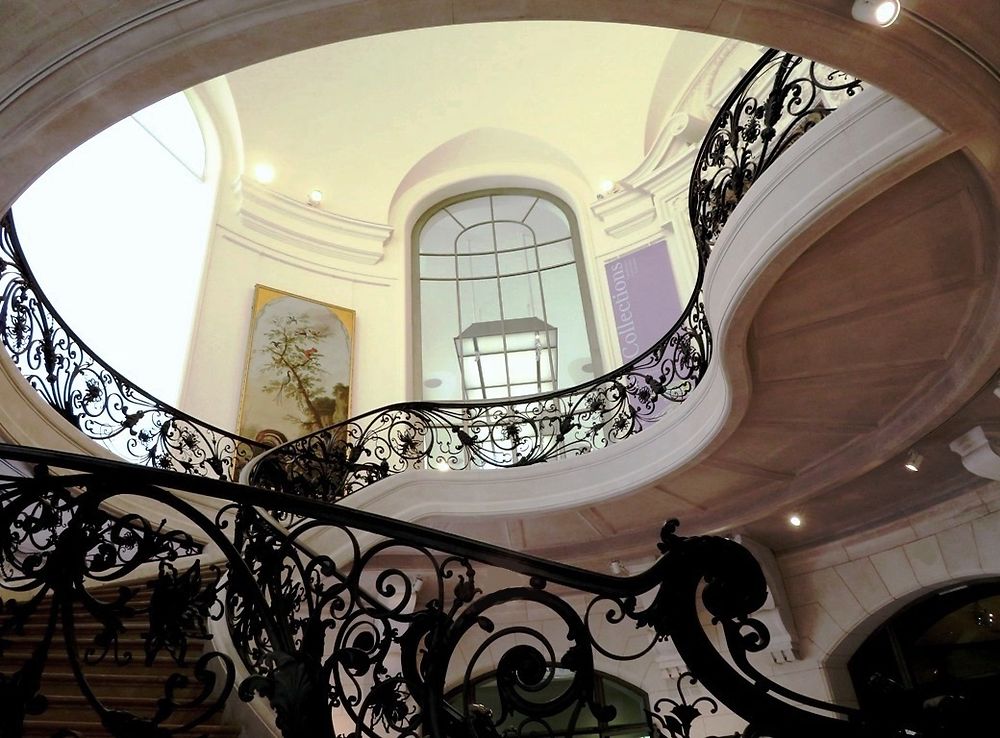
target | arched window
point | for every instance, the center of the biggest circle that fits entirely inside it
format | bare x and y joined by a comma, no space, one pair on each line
936,662
116,234
630,720
502,305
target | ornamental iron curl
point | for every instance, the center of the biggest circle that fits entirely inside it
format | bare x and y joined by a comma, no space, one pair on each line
781,98
362,641
773,105
776,102
98,401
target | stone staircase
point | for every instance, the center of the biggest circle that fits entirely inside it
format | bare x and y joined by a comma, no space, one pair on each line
131,686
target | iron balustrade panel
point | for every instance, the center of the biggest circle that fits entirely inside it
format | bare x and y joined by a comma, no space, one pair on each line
363,639
780,99
98,401
776,102
344,458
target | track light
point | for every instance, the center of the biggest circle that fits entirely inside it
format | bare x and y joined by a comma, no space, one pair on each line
876,12
913,461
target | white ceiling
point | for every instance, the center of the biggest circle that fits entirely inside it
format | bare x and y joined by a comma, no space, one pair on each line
353,118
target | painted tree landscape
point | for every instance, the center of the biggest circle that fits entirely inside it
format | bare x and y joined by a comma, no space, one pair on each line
298,367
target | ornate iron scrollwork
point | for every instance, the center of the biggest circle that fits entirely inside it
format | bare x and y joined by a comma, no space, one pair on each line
778,100
348,643
773,105
64,556
344,458
782,97
101,403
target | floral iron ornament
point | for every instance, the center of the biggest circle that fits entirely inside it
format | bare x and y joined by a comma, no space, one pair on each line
364,640
97,400
780,99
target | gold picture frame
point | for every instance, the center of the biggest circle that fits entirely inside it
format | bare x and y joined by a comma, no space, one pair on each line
298,372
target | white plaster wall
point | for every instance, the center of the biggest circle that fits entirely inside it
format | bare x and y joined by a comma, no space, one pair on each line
261,236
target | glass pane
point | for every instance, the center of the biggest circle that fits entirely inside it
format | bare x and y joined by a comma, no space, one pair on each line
523,368
471,367
630,705
494,369
513,236
521,296
490,344
521,341
564,306
438,234
437,267
548,222
512,207
480,302
173,124
471,212
556,254
476,240
439,320
513,262
474,267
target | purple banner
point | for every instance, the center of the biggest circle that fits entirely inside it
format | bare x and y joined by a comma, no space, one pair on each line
644,297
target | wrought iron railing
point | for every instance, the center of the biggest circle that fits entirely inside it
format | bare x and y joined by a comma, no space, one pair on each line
101,403
348,642
781,97
778,100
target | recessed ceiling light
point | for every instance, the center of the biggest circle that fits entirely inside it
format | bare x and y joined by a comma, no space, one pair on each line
795,521
913,461
315,197
263,173
876,12
606,186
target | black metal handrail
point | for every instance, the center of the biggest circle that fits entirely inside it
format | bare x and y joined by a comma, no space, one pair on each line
85,390
780,98
776,102
348,634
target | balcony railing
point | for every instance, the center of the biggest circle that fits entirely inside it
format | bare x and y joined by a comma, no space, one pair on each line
347,641
342,643
98,401
780,98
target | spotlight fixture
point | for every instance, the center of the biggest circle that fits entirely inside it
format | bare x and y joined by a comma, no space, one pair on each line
315,198
913,461
795,521
880,13
619,569
606,186
263,173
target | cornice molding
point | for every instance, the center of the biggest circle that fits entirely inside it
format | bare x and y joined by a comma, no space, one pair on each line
320,231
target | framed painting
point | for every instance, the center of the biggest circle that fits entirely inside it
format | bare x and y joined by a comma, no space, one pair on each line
298,367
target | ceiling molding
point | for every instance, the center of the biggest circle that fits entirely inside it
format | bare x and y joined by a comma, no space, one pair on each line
312,228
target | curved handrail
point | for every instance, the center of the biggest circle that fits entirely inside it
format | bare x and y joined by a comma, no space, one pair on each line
767,111
345,628
101,403
770,108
